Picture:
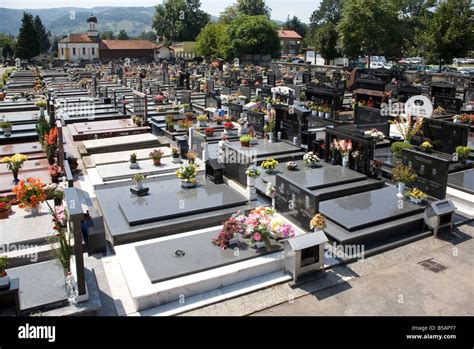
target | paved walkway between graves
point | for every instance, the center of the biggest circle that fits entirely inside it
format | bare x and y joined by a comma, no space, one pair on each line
391,283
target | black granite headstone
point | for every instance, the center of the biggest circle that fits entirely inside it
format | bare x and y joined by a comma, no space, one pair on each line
445,136
432,172
369,116
257,121
295,203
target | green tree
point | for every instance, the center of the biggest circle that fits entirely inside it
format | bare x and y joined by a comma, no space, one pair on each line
370,27
253,35
122,35
296,25
54,47
43,36
253,8
150,36
7,51
229,14
107,35
449,32
213,41
325,41
329,11
28,45
179,20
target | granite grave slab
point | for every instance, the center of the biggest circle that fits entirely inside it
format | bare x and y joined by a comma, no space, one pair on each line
363,210
161,263
463,181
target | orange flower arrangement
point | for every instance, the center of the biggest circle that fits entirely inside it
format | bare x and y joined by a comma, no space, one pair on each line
30,193
51,136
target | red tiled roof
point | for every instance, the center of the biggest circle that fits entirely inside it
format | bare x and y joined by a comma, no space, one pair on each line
79,38
289,34
128,45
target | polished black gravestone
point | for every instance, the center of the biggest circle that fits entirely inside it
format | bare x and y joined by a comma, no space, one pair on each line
167,199
367,209
463,181
295,202
432,172
179,257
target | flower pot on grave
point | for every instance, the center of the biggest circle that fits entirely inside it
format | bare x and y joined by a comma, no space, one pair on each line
201,124
321,114
55,179
271,137
188,185
5,214
416,201
327,115
401,190
7,131
260,245
345,161
314,112
245,144
15,177
157,162
134,165
41,111
176,159
34,211
140,185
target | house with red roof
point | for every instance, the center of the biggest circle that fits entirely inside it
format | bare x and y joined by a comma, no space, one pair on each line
290,42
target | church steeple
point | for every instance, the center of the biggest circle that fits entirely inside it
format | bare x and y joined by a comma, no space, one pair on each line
92,26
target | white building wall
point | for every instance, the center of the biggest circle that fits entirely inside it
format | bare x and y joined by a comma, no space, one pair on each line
78,51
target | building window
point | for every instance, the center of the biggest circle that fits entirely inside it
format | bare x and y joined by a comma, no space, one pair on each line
62,51
83,51
73,51
292,42
93,51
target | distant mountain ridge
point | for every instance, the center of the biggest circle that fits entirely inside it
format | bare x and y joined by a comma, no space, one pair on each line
66,20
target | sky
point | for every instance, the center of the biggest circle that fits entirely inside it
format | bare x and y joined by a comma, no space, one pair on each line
280,8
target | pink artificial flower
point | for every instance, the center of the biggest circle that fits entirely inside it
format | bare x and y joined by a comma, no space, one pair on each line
257,237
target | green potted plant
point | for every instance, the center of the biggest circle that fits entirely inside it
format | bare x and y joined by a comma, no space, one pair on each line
138,120
269,129
397,148
229,128
4,278
41,104
202,120
6,127
245,140
327,112
463,153
185,124
139,178
426,147
187,174
134,165
170,123
156,155
321,111
58,197
403,175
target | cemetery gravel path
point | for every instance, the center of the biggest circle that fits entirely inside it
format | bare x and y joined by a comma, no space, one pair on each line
391,283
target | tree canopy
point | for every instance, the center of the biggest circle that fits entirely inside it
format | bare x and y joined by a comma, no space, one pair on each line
43,35
448,33
28,44
213,41
179,20
122,35
295,24
253,35
253,8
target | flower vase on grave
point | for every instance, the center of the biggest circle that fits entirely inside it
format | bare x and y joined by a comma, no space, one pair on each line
15,177
41,111
401,190
314,112
271,137
140,185
345,161
34,211
259,245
